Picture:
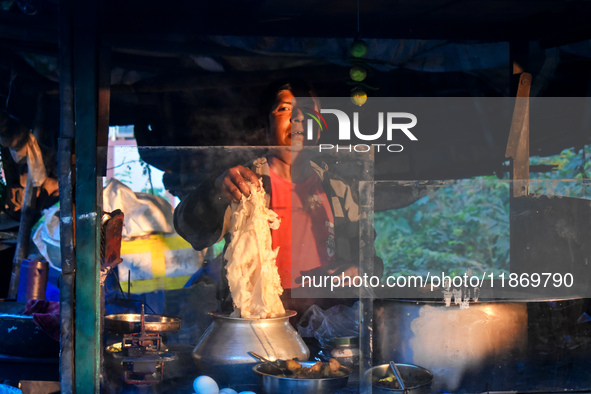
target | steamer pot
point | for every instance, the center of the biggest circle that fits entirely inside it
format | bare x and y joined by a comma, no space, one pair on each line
471,348
222,351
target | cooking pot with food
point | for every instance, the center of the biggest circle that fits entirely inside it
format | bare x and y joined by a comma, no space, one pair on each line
222,351
326,383
417,380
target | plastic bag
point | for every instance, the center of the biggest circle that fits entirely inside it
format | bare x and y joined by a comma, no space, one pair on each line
46,235
5,389
32,152
337,321
144,213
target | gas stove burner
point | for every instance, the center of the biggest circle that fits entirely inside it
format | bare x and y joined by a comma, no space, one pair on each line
142,354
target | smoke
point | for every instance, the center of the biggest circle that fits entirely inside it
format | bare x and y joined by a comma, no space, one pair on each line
451,342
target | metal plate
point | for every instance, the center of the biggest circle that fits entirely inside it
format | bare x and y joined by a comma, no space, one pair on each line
129,323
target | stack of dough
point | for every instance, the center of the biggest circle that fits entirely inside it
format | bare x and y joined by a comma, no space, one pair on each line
251,270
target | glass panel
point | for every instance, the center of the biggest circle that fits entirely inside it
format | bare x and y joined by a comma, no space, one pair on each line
469,236
476,334
429,228
161,271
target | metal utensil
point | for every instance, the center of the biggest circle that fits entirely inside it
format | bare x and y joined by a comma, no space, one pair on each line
397,374
417,379
282,371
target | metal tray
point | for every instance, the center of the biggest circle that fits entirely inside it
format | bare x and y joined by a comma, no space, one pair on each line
129,323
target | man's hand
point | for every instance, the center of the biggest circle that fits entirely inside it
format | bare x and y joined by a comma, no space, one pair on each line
235,182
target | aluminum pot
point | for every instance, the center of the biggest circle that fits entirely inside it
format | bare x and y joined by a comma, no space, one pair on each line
274,384
222,351
417,379
474,348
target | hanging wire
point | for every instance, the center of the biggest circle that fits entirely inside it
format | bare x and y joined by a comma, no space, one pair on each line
357,17
12,78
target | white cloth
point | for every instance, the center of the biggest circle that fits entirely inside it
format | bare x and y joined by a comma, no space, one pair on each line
32,153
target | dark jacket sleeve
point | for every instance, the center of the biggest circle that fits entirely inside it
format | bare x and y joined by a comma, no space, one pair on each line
199,217
350,228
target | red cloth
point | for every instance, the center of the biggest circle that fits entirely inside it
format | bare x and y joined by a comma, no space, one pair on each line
46,315
307,227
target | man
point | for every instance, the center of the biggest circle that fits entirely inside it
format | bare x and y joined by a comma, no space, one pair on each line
318,209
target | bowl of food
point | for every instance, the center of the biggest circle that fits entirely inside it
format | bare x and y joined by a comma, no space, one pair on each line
302,377
417,380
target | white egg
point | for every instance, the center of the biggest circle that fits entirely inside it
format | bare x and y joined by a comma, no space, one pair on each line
228,391
205,385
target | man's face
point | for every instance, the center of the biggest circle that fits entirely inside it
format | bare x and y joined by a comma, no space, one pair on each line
286,121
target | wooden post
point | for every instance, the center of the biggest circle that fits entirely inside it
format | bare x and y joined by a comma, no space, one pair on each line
518,143
28,211
104,101
22,239
367,252
66,176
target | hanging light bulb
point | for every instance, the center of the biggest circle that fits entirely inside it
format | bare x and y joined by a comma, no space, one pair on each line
358,73
359,48
358,96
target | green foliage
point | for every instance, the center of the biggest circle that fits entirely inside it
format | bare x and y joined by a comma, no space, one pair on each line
125,175
464,224
147,172
156,191
571,167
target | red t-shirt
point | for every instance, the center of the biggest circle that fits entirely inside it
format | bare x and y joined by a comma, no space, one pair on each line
307,227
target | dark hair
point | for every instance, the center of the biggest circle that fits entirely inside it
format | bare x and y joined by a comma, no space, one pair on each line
298,87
